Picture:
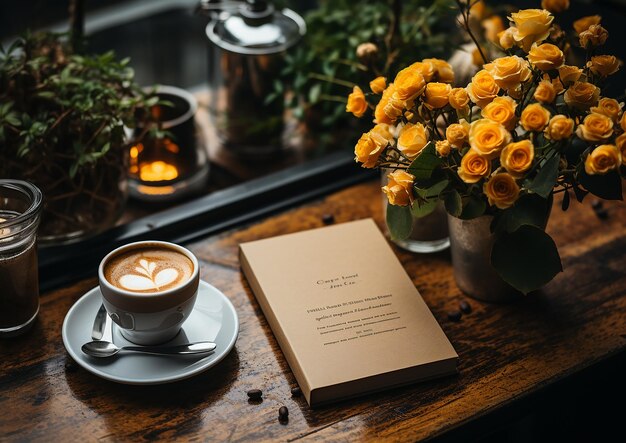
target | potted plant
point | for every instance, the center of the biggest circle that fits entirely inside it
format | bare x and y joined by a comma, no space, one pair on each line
355,40
528,126
62,127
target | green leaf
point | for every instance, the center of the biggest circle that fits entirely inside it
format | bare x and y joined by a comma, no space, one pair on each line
454,204
315,92
399,221
13,119
526,259
270,98
426,162
434,190
544,181
530,209
607,186
473,208
423,208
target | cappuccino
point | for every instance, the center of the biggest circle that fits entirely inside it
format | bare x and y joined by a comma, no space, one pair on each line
148,269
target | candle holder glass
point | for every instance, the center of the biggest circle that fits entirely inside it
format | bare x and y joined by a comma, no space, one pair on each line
173,164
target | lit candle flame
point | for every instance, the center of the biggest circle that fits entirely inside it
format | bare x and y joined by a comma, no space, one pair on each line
157,171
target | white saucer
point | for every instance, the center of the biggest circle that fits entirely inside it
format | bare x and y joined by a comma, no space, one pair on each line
213,319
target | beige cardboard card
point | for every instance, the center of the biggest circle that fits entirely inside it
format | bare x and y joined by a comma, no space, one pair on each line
345,313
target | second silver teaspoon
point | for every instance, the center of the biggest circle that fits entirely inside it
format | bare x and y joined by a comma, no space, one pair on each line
99,348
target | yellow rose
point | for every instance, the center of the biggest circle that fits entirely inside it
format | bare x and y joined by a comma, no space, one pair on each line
443,70
509,72
389,108
609,107
477,57
603,159
555,6
488,138
474,167
517,157
409,83
532,26
426,69
546,56
493,26
379,111
584,23
357,104
569,74
436,95
501,190
604,65
443,147
596,35
560,128
501,110
582,95
412,139
367,151
622,122
394,108
399,188
458,99
535,117
483,88
478,11
378,85
457,134
620,142
545,92
595,128
506,38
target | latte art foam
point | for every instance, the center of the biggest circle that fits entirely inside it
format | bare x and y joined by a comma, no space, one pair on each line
148,270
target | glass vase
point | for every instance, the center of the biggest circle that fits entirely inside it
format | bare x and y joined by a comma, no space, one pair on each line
429,233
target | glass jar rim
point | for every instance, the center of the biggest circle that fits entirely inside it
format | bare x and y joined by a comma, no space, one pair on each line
28,189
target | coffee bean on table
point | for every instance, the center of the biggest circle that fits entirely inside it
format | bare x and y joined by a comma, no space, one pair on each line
283,413
296,392
465,307
328,219
602,213
255,394
71,366
454,315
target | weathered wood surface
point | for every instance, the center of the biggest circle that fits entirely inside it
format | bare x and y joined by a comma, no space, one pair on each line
506,351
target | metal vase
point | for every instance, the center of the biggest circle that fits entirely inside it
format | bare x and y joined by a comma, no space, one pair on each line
470,247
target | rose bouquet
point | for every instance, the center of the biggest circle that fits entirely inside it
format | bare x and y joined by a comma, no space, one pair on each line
526,127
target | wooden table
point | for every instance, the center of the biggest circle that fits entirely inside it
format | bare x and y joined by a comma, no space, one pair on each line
509,354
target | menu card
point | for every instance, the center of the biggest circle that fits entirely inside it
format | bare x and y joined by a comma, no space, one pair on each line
346,315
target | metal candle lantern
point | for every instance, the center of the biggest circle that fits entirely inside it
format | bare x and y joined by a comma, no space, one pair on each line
248,43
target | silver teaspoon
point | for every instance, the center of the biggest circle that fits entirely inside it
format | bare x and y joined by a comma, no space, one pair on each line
101,348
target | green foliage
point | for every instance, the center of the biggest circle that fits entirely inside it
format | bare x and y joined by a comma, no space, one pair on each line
543,183
62,110
424,165
399,221
323,67
526,259
608,186
530,209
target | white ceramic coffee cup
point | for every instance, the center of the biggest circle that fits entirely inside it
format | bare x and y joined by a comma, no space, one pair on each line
148,319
